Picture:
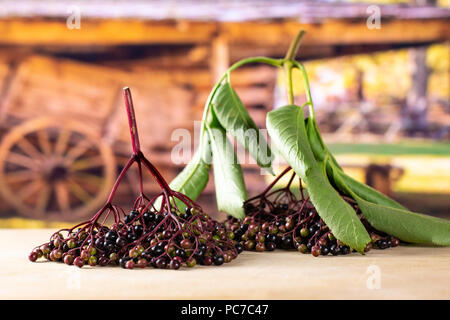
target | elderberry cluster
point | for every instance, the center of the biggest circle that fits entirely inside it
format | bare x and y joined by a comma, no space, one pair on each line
144,238
288,223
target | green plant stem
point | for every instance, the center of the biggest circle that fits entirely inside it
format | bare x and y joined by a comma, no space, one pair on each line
263,60
302,69
295,45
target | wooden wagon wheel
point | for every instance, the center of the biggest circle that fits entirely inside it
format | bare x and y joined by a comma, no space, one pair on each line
55,168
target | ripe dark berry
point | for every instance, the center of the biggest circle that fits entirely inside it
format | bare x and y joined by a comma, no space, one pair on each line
161,263
287,241
121,242
218,260
345,250
271,237
395,242
180,253
127,219
334,250
111,236
131,237
134,214
167,234
239,247
175,264
270,246
207,261
324,250
138,230
99,243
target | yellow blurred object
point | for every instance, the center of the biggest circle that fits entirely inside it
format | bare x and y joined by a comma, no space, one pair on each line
21,223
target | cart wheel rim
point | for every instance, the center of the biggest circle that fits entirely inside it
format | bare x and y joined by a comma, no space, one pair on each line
64,175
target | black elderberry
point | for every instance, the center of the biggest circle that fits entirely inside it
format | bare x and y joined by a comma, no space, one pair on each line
345,250
180,253
65,247
159,218
270,246
123,261
121,242
239,247
238,234
99,243
148,217
134,214
110,247
131,237
218,260
111,236
127,219
286,241
324,250
334,250
271,237
175,265
138,230
161,263
382,244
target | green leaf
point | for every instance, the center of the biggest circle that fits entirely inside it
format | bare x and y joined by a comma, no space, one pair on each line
318,147
191,181
406,225
234,117
321,151
370,194
286,127
193,178
228,177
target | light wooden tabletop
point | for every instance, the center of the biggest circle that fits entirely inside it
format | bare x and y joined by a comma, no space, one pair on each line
406,272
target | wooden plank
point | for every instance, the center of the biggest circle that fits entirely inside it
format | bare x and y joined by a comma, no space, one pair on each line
102,32
406,272
128,31
337,32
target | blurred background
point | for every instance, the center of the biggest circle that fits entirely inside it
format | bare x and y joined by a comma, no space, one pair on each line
379,73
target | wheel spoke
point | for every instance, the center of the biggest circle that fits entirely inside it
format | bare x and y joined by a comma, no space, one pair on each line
29,148
61,143
44,142
21,160
19,176
29,189
62,196
88,179
79,192
87,163
43,199
77,151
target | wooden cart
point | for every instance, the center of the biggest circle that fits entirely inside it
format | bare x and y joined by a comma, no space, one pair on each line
66,134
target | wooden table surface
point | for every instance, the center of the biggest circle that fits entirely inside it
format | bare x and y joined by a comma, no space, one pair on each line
406,272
